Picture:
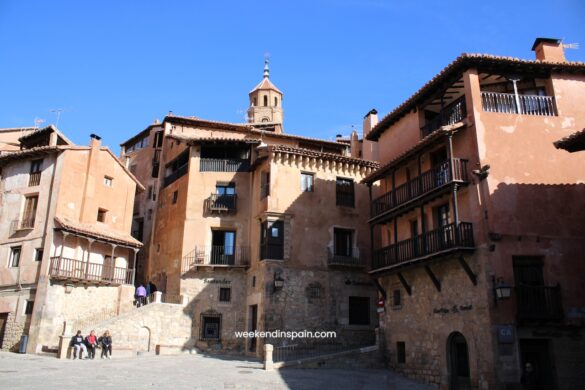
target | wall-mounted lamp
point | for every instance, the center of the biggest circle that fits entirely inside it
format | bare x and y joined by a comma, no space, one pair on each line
502,290
278,282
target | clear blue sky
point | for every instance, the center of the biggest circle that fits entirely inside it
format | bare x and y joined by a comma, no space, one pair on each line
115,66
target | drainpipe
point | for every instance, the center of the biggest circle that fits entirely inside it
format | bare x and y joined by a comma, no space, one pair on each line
514,80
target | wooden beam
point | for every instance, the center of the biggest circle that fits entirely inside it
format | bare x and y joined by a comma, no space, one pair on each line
380,288
468,271
404,283
433,278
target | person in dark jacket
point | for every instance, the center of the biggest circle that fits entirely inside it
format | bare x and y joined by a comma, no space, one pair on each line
78,345
106,343
529,378
92,343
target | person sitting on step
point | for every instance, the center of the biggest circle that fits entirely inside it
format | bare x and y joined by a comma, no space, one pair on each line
78,345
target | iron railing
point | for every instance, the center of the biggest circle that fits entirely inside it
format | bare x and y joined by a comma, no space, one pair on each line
301,350
223,164
235,255
420,185
65,268
34,179
453,113
218,202
539,303
424,245
526,104
351,259
21,224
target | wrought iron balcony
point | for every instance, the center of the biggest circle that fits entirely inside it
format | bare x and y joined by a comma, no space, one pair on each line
428,182
77,270
510,103
221,203
351,259
34,179
453,113
436,242
539,303
217,255
223,165
22,224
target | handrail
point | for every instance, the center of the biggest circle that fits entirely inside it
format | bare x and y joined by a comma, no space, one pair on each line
352,259
228,255
223,164
529,104
221,202
62,267
453,113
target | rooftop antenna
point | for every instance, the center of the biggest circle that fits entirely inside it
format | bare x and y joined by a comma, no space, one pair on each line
38,121
58,111
571,45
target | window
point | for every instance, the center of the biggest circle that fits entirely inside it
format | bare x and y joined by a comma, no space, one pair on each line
265,100
253,281
275,102
264,184
34,178
101,215
177,168
272,240
39,254
225,294
210,326
314,291
149,214
307,180
396,298
108,181
149,192
255,101
223,247
175,196
401,352
343,242
442,215
15,256
28,307
359,310
30,212
344,192
158,139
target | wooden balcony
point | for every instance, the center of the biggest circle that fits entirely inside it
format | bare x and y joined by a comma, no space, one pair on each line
442,241
81,271
216,256
174,176
539,303
218,203
429,184
453,113
352,259
34,179
509,103
223,165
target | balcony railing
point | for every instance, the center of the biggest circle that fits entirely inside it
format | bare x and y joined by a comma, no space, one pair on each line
22,224
428,244
526,104
221,255
271,251
34,179
223,165
453,113
421,185
351,259
539,303
219,203
64,268
181,171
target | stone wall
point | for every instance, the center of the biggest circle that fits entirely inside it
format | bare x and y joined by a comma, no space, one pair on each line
16,326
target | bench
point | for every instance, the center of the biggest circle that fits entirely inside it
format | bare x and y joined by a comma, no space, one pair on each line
163,349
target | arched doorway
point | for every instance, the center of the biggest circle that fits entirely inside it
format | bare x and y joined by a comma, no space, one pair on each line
458,362
144,339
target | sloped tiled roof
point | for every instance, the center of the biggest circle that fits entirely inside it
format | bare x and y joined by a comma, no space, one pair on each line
324,155
96,232
194,138
266,84
465,61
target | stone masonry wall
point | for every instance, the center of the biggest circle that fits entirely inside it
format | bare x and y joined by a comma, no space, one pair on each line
16,326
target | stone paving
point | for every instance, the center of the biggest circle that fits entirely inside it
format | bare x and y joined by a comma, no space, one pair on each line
183,372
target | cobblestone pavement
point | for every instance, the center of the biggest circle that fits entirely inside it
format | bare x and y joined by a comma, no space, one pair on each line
183,372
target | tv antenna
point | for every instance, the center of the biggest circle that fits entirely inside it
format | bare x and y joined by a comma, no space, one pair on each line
57,111
571,45
38,121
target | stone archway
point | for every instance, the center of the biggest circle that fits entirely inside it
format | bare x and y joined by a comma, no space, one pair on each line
143,339
458,362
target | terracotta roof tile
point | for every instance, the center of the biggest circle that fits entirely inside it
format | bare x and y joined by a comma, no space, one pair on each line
266,84
324,155
97,232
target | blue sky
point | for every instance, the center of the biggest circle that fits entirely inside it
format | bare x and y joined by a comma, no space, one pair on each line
115,66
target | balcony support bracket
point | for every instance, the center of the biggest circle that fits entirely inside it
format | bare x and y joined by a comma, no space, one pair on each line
433,278
404,283
468,271
380,288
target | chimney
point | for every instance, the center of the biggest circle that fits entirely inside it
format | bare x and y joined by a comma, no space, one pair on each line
549,49
370,120
95,141
354,145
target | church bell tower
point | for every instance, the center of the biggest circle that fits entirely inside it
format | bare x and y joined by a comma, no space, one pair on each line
266,104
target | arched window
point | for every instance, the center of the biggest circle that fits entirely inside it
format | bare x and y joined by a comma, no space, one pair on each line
265,119
265,100
275,101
